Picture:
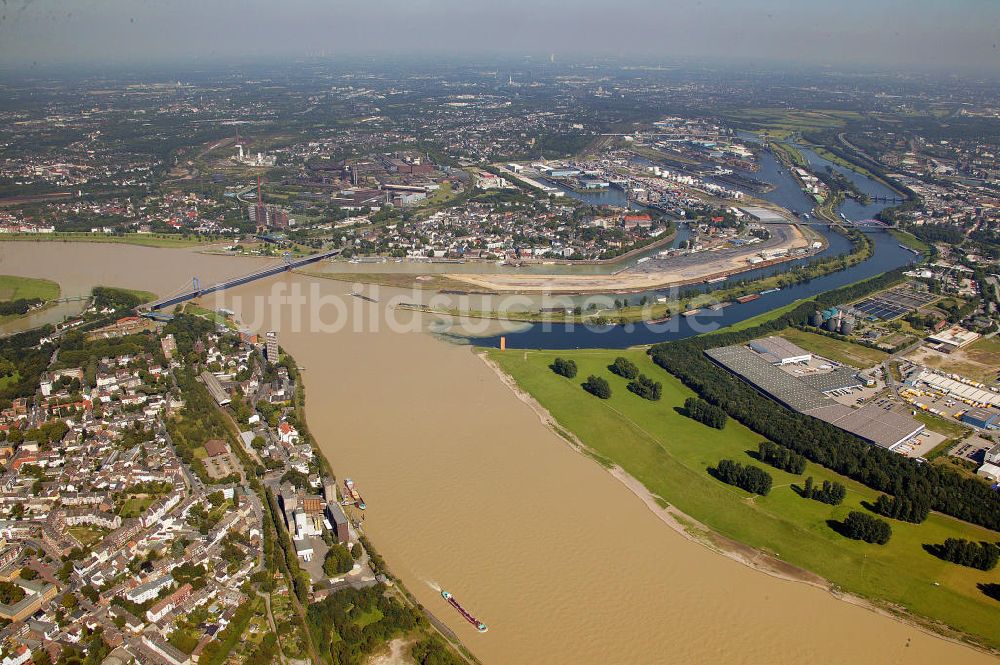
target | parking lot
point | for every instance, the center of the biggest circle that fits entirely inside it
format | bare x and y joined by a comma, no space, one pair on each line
973,449
921,444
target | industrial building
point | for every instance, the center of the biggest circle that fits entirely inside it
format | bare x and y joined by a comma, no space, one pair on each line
338,521
982,418
215,388
764,215
970,394
951,339
779,351
808,394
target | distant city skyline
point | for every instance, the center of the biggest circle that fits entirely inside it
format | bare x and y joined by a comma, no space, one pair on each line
920,34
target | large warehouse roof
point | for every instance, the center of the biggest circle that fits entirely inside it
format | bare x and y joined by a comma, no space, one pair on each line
838,379
776,382
778,349
765,215
873,423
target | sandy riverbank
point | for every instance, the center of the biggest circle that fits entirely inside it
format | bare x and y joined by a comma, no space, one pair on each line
676,271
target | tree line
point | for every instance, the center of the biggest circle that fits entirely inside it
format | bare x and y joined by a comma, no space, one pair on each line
780,457
19,306
903,508
564,367
949,492
708,414
832,493
624,368
597,386
646,388
862,526
748,477
983,555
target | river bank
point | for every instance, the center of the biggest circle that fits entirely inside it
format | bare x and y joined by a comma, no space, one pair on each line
663,273
663,463
654,310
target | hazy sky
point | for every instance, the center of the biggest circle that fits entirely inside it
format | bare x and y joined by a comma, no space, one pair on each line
917,33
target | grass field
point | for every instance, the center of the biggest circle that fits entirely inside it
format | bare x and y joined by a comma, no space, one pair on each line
136,506
670,455
980,361
949,428
788,154
781,123
88,536
16,288
214,317
761,318
144,239
985,352
835,349
910,240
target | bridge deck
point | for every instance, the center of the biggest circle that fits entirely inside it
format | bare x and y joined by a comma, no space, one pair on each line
239,281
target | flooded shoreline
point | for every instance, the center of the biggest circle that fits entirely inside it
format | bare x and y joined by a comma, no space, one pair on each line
469,489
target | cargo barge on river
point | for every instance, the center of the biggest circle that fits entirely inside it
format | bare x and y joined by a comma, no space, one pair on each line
480,626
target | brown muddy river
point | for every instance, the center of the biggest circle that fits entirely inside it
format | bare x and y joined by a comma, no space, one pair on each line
468,490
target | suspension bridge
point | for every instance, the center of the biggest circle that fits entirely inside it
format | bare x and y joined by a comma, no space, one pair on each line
196,290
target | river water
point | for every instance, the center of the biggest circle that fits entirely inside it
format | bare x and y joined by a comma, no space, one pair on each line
469,490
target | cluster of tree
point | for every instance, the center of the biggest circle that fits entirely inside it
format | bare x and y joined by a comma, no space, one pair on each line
646,388
831,493
187,329
991,589
10,593
780,457
217,651
949,492
908,509
334,626
862,526
19,306
921,321
193,574
597,386
982,555
564,367
197,422
287,561
266,652
338,561
433,651
748,477
624,368
946,233
106,297
703,412
75,350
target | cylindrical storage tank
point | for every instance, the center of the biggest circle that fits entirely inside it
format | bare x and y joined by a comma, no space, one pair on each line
833,324
816,319
847,327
